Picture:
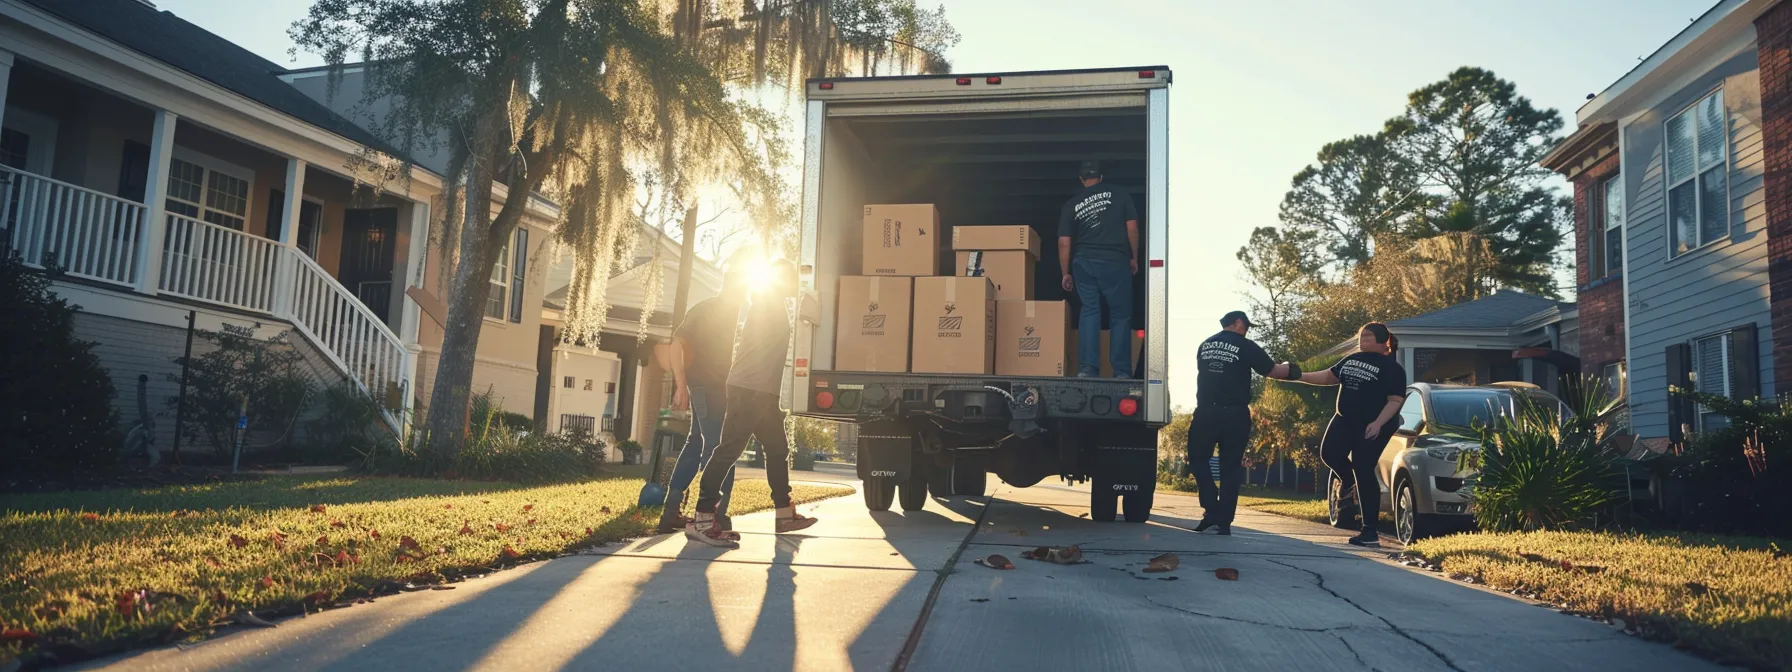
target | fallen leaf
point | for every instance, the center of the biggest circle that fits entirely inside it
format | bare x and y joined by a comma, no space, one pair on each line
374,534
267,582
238,541
338,523
343,558
485,501
528,507
278,539
531,521
605,510
1567,566
318,596
317,508
588,532
249,618
501,527
323,540
90,517
212,561
564,535
995,562
407,542
447,506
1224,574
466,528
17,635
1167,562
510,553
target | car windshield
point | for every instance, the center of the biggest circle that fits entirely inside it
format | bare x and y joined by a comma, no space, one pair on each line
1469,408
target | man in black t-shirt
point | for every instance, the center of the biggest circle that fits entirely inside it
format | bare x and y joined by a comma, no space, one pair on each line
1098,250
702,350
1223,415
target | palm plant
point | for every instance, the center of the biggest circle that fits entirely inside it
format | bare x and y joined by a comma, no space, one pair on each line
1544,465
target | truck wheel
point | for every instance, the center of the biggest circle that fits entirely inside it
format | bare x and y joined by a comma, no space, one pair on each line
913,493
969,479
1138,506
1102,503
878,493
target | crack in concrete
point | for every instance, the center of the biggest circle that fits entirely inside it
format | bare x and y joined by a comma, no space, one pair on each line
1334,632
1319,579
1359,656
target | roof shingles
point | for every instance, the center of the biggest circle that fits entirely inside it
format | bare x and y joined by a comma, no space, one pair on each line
1503,308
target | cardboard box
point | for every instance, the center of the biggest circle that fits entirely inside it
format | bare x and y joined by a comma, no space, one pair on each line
1107,368
955,326
901,240
1032,338
1011,237
872,325
1011,271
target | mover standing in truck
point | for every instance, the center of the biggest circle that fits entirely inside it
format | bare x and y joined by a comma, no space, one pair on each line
1223,415
1098,248
754,382
700,381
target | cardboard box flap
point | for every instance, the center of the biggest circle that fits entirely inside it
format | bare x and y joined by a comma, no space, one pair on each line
1006,237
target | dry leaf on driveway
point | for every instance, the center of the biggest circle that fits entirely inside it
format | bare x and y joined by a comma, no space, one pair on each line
995,562
1226,574
1167,562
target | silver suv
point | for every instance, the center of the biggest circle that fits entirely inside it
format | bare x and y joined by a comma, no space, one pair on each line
1417,473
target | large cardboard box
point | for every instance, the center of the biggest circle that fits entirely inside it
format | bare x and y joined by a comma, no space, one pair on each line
1011,237
1011,271
901,240
1032,338
955,326
872,329
1107,367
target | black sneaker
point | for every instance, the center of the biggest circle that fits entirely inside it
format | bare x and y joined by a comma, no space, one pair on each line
1206,523
1366,540
1225,530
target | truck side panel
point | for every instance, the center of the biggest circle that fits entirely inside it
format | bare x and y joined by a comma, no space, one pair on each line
1157,292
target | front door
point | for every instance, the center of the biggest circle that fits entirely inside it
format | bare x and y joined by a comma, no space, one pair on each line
369,239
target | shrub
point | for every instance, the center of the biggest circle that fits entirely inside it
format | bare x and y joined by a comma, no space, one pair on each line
1736,477
531,458
1541,468
56,413
487,410
631,451
350,428
241,367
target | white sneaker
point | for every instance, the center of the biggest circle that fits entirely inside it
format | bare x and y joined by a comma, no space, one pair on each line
703,529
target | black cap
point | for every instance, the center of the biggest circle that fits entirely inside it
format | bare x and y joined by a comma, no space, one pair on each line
1089,169
1234,316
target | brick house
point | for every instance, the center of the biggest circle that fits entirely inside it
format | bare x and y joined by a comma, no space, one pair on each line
1682,173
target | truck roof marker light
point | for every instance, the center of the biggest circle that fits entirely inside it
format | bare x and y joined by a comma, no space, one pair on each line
826,86
1147,74
964,81
993,80
1129,407
1157,263
825,400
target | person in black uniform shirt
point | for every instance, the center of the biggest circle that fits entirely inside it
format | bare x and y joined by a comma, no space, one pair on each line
1098,250
1371,387
1223,415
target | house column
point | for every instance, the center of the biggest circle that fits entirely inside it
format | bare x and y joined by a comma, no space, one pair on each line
410,271
155,193
5,76
287,264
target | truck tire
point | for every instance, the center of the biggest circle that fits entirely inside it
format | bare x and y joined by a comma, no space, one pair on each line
1102,504
1138,506
879,492
913,493
969,479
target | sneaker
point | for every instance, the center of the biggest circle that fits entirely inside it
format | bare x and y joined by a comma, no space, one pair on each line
672,520
1225,530
1366,540
703,530
725,523
1206,524
791,521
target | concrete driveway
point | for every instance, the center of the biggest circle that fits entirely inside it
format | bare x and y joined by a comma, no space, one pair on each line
900,591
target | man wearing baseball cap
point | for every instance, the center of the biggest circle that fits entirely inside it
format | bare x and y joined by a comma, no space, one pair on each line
1098,250
1223,415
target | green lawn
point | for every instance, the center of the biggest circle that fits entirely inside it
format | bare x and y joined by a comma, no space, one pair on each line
1730,597
102,571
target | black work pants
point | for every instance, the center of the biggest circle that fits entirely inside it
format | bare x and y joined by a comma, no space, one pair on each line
1352,461
750,414
1229,428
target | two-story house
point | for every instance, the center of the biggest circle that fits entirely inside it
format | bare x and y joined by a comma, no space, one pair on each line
1682,173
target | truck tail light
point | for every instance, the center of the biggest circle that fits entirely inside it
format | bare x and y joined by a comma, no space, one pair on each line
826,86
1147,74
824,400
1129,407
964,81
993,80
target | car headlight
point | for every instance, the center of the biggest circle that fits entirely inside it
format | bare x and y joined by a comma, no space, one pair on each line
1443,453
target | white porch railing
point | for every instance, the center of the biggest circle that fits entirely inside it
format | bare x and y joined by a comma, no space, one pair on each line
357,340
217,264
89,234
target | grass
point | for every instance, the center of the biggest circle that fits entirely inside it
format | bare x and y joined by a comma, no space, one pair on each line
87,573
1730,597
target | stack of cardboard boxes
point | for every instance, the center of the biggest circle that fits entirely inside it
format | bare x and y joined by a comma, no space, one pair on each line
899,316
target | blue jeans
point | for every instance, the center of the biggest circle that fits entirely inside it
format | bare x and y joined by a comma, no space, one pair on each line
1098,282
706,432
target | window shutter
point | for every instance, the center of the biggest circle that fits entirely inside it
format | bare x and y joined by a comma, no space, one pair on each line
1745,367
520,252
1679,370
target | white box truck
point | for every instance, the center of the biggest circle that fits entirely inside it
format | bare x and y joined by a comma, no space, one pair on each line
986,149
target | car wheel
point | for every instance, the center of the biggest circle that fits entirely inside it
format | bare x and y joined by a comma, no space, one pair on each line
913,493
1410,524
879,492
1340,515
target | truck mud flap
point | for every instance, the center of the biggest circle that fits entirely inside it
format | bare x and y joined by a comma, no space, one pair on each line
1125,459
886,450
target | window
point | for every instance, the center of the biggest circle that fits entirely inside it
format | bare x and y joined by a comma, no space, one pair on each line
1612,376
1697,174
207,194
1412,413
15,148
566,382
1711,374
500,296
1607,237
587,384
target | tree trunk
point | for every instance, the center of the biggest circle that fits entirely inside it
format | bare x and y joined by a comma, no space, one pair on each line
687,258
451,395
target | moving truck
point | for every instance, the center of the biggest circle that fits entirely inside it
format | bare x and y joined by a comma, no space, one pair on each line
906,162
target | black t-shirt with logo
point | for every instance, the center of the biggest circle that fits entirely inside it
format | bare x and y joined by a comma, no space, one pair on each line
709,329
1365,381
1227,360
1095,221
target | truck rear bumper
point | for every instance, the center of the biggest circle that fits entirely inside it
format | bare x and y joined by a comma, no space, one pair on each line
849,396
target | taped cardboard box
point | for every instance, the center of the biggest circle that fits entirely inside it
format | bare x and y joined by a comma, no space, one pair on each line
1032,338
1012,271
901,240
1010,237
873,324
1107,367
955,326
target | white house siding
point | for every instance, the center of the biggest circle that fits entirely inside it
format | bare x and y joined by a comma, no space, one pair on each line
1708,290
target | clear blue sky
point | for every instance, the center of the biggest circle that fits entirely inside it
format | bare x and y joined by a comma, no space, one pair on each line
1260,86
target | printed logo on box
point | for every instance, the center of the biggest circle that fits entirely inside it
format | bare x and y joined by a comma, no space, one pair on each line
1029,344
873,322
952,323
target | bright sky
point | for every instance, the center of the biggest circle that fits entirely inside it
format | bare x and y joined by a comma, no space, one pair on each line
1260,86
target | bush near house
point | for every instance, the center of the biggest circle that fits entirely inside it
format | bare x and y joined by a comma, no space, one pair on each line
1738,479
1540,470
240,375
56,413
